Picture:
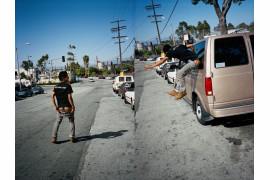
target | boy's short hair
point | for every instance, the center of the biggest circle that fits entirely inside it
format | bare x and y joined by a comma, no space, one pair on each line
62,75
166,48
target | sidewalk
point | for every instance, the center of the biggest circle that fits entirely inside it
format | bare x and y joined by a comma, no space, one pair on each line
110,154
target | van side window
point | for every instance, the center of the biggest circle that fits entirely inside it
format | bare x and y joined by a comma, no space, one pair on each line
252,42
230,52
128,78
199,50
121,79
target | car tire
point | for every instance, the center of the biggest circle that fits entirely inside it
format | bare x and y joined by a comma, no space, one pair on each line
165,77
118,93
126,101
201,114
168,81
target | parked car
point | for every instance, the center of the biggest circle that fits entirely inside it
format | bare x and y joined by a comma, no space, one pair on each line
16,95
149,59
142,59
119,80
91,80
37,90
158,68
25,92
126,86
166,67
101,77
130,96
172,72
223,85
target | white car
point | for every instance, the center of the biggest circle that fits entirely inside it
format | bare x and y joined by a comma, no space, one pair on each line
91,80
119,80
130,98
158,68
149,59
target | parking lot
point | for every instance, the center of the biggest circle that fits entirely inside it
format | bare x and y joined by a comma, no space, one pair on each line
171,144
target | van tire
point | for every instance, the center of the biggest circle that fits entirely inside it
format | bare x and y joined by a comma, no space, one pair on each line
201,114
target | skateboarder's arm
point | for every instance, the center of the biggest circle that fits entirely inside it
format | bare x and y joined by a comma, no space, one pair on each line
70,99
190,46
157,63
53,100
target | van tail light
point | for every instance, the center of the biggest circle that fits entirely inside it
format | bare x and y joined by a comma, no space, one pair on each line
208,86
166,71
125,90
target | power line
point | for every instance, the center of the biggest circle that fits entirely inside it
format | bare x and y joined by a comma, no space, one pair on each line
169,17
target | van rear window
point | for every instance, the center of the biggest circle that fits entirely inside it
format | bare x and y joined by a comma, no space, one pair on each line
230,52
121,79
128,78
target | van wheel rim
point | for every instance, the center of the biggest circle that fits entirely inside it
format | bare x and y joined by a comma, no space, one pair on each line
198,110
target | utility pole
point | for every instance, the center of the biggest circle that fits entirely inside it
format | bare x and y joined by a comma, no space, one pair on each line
97,61
153,7
173,35
118,29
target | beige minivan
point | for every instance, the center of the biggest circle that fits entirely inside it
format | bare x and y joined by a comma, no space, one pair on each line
223,85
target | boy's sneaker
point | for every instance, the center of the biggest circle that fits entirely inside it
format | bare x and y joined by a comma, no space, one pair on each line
72,139
172,93
53,139
179,95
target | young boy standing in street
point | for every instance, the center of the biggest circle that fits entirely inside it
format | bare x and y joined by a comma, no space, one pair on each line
182,53
65,106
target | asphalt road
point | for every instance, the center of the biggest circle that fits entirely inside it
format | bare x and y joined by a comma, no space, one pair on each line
38,158
171,144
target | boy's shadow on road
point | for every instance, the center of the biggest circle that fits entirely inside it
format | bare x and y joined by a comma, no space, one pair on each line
105,135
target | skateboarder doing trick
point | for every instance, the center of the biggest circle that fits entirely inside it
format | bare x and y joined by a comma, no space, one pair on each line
182,53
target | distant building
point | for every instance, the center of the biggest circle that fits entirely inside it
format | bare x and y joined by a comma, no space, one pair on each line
109,67
101,65
140,46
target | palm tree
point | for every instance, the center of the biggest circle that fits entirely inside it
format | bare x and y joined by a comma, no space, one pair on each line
30,65
25,66
71,54
85,61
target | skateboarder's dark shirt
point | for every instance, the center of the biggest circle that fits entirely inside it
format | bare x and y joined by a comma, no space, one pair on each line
61,92
182,53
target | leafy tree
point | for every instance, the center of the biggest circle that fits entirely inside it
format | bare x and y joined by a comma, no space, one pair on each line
42,62
251,27
25,66
106,73
139,53
242,25
85,61
23,76
221,13
230,26
217,28
202,29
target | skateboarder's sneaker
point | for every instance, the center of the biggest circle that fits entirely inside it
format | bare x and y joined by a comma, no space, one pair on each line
172,93
53,139
72,139
180,94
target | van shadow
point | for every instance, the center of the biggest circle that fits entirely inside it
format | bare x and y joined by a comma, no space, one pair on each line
234,121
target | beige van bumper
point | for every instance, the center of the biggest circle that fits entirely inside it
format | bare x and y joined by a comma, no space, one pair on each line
232,110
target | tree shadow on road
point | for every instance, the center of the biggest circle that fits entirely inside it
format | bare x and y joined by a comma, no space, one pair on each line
234,121
105,135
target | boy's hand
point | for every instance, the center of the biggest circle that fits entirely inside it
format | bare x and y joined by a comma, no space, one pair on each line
57,109
148,67
72,111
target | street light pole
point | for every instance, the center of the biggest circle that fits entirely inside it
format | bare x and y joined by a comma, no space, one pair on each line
18,64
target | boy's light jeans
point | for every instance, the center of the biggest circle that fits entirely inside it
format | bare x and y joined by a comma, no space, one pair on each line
180,84
60,116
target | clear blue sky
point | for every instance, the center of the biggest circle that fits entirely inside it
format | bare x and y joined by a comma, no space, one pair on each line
51,25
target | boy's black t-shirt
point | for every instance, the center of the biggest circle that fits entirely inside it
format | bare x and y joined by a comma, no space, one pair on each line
61,92
182,53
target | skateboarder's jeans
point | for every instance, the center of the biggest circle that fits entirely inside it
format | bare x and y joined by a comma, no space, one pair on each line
60,116
180,84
